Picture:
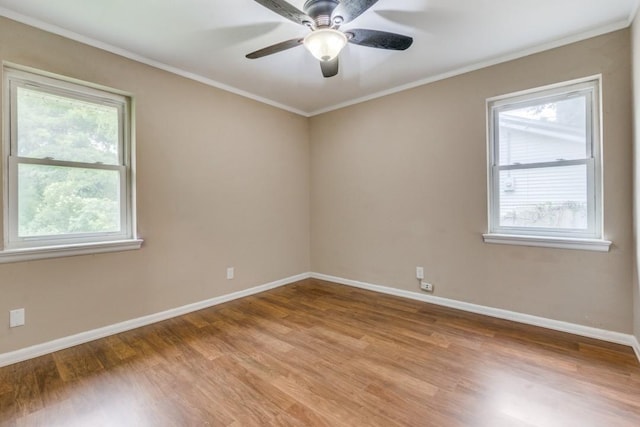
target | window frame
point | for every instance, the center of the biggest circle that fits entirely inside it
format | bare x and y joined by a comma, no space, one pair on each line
17,248
592,237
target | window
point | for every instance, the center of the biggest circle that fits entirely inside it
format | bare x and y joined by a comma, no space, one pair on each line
545,167
68,168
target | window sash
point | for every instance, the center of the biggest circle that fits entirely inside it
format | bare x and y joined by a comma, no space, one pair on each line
15,79
589,88
587,93
546,231
18,241
116,102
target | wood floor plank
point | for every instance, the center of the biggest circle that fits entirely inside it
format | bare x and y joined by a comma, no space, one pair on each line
314,353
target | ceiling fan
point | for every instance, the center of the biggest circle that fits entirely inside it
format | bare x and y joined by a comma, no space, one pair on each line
326,40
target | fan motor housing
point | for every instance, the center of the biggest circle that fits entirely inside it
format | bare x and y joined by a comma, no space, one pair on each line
320,11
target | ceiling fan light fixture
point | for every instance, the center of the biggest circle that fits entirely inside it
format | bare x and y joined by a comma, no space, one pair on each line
325,44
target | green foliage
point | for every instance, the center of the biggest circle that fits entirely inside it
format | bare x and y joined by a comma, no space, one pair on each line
66,129
60,200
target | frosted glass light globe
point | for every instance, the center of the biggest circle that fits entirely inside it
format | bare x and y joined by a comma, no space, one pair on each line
325,44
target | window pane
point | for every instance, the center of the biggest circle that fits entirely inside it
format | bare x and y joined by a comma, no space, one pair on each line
55,200
65,128
544,133
554,197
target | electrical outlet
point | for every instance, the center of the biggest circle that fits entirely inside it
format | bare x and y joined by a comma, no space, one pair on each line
16,318
230,273
427,287
419,273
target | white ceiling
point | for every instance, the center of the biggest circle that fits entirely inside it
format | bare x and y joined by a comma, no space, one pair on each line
208,40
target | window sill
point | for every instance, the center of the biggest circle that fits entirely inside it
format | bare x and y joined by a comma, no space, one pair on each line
28,254
549,242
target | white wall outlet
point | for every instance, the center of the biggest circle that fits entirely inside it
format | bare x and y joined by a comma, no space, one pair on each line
419,273
230,273
427,287
16,318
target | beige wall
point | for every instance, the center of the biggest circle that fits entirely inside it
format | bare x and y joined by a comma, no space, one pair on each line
635,57
401,181
222,181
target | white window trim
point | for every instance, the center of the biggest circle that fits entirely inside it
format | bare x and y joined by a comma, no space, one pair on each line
596,245
14,250
553,238
34,253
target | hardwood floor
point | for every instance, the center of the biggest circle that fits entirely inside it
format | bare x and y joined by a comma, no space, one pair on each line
316,353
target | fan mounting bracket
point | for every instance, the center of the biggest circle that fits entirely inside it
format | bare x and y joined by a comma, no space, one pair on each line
320,11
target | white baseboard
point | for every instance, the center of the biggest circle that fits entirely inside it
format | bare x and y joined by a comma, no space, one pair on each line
572,328
636,346
84,337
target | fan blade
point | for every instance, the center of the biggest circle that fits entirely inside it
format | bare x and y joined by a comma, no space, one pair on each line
329,68
286,9
275,48
351,9
379,39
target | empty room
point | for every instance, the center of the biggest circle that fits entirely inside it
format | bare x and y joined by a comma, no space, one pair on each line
320,213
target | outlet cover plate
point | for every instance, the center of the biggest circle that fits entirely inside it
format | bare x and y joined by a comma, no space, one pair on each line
16,318
427,287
